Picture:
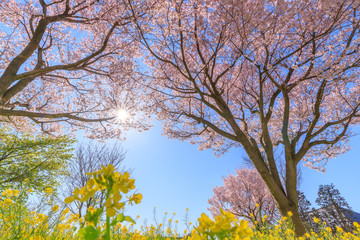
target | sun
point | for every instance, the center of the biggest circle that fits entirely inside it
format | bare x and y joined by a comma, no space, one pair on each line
122,115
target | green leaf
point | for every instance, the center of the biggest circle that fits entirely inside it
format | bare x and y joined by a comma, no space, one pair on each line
129,219
89,233
94,217
121,218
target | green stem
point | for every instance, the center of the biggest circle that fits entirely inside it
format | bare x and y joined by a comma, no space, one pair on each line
107,233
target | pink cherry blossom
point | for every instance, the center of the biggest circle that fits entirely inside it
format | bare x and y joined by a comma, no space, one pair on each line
246,196
67,63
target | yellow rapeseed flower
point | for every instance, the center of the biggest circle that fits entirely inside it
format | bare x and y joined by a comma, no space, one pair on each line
8,201
48,191
65,211
7,193
55,208
41,217
136,198
35,238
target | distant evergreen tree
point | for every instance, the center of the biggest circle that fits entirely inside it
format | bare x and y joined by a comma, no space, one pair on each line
304,209
336,210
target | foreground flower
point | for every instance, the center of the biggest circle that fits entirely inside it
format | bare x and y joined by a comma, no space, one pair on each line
224,226
112,184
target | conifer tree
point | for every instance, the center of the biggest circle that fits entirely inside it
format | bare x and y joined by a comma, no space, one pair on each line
337,211
304,206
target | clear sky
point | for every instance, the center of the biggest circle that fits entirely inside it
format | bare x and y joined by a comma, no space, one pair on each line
174,175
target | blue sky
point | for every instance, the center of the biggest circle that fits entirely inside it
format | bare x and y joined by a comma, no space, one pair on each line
174,175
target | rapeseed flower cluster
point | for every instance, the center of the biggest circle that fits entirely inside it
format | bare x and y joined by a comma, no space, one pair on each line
19,221
224,226
113,184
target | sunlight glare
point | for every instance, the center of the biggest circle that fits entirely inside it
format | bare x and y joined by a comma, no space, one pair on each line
122,115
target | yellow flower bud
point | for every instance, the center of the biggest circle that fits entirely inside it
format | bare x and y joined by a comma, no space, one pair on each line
55,208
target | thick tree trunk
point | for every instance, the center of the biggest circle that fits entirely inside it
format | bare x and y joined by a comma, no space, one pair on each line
285,205
287,200
298,223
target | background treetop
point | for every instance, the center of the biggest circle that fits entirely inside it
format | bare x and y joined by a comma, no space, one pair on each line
66,62
91,157
33,161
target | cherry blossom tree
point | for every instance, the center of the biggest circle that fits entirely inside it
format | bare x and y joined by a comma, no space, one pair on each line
246,196
261,75
66,62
